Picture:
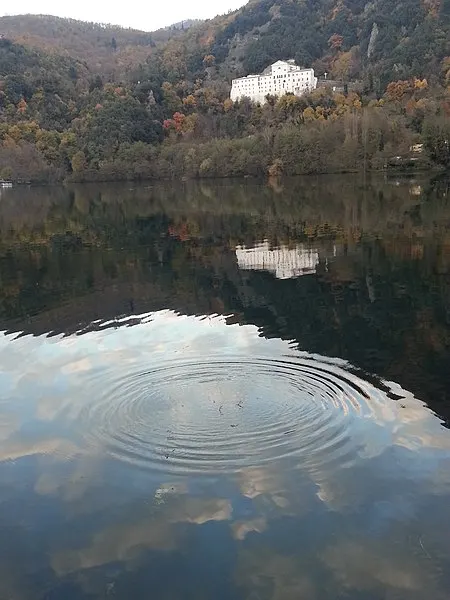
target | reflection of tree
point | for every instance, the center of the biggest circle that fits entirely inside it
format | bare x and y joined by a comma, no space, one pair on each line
71,256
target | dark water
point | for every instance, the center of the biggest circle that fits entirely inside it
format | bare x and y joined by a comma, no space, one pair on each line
226,391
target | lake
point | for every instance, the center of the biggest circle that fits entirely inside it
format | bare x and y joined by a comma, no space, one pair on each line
226,390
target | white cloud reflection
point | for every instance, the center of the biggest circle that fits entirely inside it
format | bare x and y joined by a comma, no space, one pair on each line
49,379
156,531
45,384
400,451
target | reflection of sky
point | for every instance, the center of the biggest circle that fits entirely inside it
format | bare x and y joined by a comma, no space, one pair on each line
365,525
41,378
154,530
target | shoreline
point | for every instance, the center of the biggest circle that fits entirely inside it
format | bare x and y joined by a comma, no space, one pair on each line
435,170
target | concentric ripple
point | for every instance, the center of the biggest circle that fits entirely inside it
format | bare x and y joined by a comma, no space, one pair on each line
227,413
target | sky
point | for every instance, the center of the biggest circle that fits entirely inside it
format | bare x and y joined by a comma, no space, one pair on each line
146,16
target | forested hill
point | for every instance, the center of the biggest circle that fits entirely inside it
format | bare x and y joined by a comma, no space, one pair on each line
383,39
88,101
106,49
379,40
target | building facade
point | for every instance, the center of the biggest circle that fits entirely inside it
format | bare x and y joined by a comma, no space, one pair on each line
280,78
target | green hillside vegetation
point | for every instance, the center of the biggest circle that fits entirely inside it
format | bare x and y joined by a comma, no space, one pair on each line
84,101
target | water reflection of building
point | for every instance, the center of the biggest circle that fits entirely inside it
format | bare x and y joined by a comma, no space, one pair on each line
283,262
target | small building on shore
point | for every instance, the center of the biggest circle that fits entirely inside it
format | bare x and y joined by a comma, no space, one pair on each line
281,78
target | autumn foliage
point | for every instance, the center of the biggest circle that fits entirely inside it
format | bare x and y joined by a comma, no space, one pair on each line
86,102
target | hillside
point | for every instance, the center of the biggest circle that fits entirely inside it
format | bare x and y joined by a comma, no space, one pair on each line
379,40
92,101
106,49
345,38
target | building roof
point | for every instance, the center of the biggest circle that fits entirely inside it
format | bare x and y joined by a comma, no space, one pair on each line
268,70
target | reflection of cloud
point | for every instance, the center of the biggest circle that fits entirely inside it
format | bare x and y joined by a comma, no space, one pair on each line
59,448
420,429
47,484
401,436
9,424
124,542
14,584
262,573
242,528
72,487
49,407
275,491
270,483
68,375
166,490
78,366
359,566
255,481
199,511
383,568
118,543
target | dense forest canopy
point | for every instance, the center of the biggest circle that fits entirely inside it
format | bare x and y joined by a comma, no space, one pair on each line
87,101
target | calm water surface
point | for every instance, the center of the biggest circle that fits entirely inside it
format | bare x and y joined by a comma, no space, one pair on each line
225,391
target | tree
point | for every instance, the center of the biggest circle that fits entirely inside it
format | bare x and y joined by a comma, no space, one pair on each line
309,114
6,173
22,106
436,139
209,60
79,162
345,65
96,83
276,168
17,88
335,42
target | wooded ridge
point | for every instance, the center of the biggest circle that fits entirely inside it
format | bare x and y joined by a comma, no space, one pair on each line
85,101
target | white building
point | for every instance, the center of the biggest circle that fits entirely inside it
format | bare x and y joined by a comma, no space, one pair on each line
280,78
283,262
